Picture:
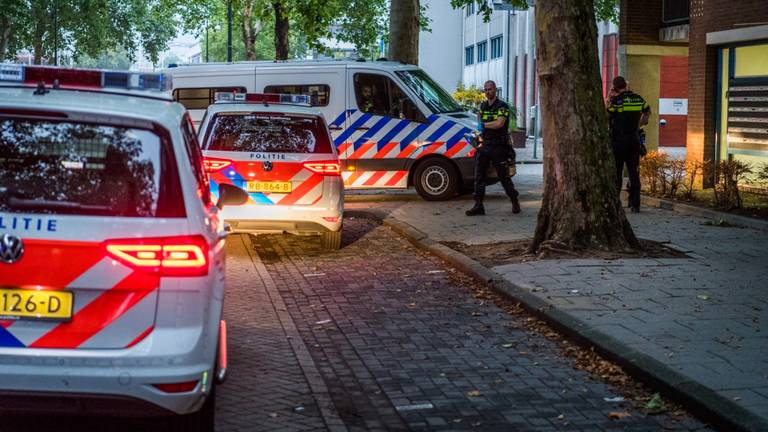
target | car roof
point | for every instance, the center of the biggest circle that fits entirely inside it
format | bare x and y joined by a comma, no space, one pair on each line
160,110
198,68
260,107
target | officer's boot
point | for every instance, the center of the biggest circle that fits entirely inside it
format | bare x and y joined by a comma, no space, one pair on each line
477,210
515,205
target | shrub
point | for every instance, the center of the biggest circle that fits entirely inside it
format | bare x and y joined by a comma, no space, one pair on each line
693,170
674,176
470,97
728,174
652,172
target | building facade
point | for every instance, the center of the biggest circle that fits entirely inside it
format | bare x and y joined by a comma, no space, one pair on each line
703,66
464,48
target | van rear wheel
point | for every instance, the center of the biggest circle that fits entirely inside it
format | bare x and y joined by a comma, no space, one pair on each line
436,179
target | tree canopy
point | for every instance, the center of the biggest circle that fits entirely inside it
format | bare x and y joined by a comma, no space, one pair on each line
605,10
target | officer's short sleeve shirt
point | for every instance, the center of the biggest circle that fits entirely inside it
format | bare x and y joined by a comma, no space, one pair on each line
490,113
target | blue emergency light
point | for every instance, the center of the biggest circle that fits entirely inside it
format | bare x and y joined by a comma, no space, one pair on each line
84,78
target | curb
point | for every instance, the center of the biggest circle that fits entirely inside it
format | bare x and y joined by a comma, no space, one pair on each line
691,210
705,403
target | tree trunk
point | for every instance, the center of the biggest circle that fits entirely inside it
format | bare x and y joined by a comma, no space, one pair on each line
404,31
249,32
281,31
5,37
580,207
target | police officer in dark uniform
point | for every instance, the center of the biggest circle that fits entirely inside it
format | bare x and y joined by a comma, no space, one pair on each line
627,111
493,150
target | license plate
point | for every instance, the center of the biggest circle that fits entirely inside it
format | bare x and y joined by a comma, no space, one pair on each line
17,303
269,186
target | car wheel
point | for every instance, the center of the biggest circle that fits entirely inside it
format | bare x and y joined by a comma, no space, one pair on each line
436,180
331,240
203,420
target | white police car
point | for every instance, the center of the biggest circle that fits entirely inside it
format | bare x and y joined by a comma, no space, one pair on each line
279,150
111,250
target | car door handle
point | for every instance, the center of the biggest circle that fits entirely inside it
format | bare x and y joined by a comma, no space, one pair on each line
335,128
362,128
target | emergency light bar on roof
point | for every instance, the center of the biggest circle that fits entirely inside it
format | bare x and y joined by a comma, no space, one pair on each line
265,98
83,78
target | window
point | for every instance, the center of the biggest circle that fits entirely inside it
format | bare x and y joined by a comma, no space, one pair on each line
675,11
200,98
428,91
469,55
195,159
268,132
471,9
379,95
482,51
496,47
79,168
319,94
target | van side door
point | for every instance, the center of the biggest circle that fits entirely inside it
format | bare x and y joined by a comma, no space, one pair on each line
383,130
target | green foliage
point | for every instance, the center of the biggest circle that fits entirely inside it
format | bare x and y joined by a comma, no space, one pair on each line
117,58
362,23
86,27
469,97
604,9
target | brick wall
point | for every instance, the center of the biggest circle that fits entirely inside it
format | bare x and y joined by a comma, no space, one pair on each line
639,22
708,16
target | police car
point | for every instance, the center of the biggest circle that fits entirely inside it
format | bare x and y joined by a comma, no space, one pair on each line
278,149
111,249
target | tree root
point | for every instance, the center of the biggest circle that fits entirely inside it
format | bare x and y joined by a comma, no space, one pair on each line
550,248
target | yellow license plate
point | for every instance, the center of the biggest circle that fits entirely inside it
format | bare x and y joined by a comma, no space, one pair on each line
19,303
269,186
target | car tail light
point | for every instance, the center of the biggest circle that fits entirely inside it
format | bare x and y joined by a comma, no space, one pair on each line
215,164
324,167
164,256
182,387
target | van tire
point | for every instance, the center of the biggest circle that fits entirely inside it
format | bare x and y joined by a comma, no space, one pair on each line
331,240
203,420
436,179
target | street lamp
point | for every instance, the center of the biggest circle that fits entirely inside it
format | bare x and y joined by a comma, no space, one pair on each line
229,31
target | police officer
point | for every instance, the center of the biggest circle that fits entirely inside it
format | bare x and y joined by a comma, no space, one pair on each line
627,112
493,150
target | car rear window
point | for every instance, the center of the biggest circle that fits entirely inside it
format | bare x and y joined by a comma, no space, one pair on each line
263,132
61,167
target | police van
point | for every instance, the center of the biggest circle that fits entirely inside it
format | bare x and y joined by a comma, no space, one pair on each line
111,249
392,125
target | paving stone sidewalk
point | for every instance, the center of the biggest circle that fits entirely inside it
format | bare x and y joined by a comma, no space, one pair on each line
705,316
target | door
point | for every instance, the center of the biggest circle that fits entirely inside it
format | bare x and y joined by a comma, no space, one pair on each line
383,130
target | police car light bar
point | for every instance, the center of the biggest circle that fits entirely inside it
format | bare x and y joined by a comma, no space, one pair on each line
84,78
266,98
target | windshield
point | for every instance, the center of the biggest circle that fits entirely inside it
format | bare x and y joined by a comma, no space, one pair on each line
61,167
268,132
429,92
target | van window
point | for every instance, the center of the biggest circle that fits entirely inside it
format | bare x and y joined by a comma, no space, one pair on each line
77,168
319,94
268,132
379,95
200,98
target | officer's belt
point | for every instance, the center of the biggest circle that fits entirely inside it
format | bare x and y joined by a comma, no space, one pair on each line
504,139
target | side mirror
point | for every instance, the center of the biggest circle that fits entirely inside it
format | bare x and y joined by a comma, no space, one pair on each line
231,195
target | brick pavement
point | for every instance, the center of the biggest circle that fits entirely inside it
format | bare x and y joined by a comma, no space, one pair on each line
402,346
705,316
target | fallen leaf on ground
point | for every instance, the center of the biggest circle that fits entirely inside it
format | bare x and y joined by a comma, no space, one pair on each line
323,322
618,415
474,393
703,297
614,399
656,404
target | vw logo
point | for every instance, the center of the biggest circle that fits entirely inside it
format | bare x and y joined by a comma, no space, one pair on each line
267,166
11,249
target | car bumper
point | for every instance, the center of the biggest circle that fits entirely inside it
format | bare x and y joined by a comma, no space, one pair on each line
119,382
279,219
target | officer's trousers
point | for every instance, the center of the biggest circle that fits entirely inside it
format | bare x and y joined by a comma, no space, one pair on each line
628,154
496,156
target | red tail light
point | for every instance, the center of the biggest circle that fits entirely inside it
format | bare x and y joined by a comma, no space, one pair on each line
215,164
165,256
324,167
182,387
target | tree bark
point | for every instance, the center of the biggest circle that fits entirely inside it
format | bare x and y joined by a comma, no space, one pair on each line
249,31
580,207
404,31
281,31
5,36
